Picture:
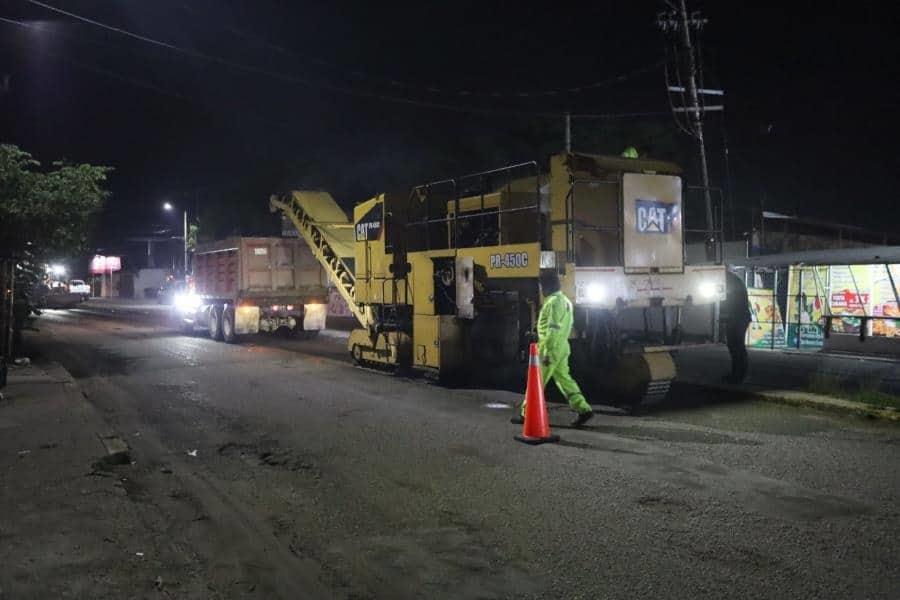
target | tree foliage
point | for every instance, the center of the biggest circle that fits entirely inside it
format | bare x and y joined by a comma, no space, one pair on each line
46,212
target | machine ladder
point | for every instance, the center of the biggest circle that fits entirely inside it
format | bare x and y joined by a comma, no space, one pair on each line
313,232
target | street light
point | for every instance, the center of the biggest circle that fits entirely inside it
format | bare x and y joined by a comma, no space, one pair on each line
168,207
58,270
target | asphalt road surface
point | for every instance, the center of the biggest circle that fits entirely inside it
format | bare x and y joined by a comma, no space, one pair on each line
317,479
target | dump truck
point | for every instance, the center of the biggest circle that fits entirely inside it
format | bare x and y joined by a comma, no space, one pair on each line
444,279
247,285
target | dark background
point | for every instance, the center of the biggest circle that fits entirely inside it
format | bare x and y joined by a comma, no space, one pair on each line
358,98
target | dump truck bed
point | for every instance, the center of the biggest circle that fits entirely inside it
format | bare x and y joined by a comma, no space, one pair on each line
258,267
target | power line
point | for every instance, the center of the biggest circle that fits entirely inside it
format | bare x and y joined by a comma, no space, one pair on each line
433,88
98,70
332,87
115,29
143,84
150,86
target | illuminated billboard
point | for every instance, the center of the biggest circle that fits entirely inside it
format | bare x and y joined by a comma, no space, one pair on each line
105,264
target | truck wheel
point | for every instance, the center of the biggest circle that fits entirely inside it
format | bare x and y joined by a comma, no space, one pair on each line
215,322
228,325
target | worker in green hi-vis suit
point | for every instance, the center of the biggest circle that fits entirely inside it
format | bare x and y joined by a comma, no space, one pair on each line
553,328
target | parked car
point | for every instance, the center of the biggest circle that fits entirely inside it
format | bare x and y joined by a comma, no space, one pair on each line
78,286
60,297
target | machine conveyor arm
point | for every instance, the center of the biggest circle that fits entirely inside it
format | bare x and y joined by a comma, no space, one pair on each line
322,248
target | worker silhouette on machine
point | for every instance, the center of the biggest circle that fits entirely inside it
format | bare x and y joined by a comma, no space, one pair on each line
554,326
735,315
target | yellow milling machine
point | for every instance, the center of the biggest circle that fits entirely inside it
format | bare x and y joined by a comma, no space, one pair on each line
444,279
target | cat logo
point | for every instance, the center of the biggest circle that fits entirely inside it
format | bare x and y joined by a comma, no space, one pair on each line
653,216
368,228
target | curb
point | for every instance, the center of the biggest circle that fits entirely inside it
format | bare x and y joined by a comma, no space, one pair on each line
809,400
830,404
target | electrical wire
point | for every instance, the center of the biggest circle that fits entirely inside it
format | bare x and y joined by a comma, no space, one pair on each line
292,79
100,71
674,113
265,118
435,89
698,45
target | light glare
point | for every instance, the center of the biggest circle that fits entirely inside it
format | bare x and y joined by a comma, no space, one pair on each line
707,290
595,292
186,302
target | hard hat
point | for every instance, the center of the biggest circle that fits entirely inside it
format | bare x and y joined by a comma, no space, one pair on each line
630,152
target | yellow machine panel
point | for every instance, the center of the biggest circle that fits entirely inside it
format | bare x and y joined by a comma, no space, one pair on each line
426,341
370,260
438,343
373,260
422,278
512,260
652,224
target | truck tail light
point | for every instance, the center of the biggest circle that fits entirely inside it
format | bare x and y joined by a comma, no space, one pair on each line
290,307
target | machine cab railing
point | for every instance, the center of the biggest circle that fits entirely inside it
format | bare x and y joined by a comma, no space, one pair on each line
490,208
695,227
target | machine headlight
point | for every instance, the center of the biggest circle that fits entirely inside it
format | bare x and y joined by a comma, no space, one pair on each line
595,292
186,302
708,290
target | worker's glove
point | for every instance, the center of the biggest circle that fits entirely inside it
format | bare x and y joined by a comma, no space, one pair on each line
545,360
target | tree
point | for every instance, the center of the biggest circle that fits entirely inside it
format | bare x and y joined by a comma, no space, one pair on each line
46,213
43,213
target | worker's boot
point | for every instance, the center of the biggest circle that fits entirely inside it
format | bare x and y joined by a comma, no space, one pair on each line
583,418
517,420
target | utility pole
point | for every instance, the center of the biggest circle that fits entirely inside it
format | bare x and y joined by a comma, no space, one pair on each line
678,20
568,133
185,245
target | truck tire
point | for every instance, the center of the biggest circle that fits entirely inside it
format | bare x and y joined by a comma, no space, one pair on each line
228,334
215,322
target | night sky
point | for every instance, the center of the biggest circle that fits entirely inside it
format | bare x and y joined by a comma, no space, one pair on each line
363,97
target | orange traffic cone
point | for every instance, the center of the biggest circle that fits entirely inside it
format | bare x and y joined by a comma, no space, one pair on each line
536,428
